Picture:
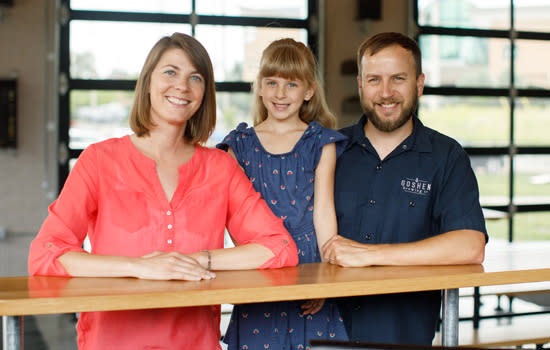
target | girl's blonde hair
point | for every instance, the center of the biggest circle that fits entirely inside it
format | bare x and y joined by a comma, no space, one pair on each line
290,59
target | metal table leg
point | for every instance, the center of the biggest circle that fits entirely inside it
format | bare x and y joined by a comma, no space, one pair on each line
449,332
11,332
477,306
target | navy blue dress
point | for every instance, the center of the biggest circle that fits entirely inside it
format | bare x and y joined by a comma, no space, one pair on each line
286,182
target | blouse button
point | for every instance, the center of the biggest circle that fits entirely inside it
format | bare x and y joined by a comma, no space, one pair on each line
404,146
169,241
169,226
378,167
411,204
168,213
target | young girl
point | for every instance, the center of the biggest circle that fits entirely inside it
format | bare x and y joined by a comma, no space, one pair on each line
289,155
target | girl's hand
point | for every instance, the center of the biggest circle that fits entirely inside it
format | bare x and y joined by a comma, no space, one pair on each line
311,307
171,266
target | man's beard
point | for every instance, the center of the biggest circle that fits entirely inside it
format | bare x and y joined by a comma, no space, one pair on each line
390,125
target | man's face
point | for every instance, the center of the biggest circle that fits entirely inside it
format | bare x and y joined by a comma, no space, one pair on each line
389,88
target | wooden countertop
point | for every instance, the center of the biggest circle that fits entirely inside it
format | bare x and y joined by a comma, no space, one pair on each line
506,264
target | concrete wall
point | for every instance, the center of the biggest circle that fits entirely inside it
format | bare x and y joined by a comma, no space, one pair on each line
27,48
25,34
344,33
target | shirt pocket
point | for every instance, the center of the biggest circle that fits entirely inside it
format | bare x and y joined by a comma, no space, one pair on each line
128,210
202,216
418,214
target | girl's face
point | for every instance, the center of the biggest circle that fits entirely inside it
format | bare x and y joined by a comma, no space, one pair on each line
176,89
283,97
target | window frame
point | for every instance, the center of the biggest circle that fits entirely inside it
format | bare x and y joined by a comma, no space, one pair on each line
511,93
67,83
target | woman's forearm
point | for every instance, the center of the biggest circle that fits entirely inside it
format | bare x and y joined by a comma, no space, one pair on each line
156,266
249,256
83,264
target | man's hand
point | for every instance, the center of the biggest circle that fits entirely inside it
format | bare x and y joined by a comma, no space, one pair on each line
346,252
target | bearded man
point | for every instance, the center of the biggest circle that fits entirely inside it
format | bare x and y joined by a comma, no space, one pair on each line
404,194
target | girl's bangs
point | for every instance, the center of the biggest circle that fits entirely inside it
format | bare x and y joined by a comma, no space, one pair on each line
287,65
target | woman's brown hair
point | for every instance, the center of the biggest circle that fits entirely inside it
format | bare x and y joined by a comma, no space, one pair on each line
202,124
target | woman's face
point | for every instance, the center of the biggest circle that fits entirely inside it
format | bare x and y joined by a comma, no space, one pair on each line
176,89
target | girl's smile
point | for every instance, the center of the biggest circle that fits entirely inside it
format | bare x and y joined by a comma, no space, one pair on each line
283,97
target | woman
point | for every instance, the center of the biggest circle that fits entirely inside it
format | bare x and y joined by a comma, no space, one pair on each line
155,205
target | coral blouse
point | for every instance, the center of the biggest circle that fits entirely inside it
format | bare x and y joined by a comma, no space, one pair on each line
114,196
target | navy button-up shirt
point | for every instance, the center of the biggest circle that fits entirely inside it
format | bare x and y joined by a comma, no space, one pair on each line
424,187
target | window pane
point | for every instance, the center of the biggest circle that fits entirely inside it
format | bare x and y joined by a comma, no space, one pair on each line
497,229
532,226
532,122
465,61
531,64
254,8
233,108
493,14
114,50
532,179
159,6
98,115
472,121
532,15
492,173
236,51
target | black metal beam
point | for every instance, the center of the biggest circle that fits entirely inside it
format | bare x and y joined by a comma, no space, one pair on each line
186,18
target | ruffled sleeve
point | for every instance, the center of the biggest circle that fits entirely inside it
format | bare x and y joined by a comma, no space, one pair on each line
324,136
239,141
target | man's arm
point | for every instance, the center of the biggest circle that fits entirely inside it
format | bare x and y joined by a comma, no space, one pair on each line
453,247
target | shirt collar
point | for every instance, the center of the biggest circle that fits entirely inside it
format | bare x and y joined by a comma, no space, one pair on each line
357,132
418,140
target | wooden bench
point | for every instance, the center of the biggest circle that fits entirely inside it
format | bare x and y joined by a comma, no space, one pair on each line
509,291
515,331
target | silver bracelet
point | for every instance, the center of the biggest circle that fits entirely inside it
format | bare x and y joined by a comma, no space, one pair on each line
209,258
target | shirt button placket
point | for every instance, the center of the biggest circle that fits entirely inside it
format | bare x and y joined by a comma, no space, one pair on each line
170,227
368,237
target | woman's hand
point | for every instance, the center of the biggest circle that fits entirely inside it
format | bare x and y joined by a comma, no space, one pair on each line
311,307
171,266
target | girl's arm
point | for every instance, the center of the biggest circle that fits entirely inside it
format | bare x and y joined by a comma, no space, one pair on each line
324,215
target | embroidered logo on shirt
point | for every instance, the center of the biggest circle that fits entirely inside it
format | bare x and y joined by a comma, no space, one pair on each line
416,186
